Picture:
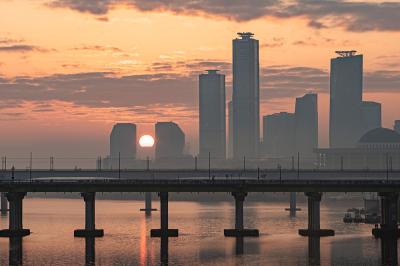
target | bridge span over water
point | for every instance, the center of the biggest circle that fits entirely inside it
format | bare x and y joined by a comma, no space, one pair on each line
204,173
16,184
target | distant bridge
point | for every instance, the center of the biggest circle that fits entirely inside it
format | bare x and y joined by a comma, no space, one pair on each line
290,174
201,185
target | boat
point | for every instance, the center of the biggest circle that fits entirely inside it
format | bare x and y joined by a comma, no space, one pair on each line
347,218
358,218
372,218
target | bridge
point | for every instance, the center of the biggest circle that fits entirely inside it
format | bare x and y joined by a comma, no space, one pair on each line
16,184
275,173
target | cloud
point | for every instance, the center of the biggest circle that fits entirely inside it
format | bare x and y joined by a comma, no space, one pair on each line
275,42
103,89
352,16
382,81
288,81
107,90
22,48
97,48
6,40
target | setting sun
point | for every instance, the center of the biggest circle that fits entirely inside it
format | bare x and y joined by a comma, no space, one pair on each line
146,141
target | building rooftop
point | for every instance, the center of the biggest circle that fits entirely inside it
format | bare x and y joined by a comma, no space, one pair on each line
245,35
212,71
349,53
380,135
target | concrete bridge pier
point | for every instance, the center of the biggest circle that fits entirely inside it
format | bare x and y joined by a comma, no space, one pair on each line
147,204
314,230
239,230
164,230
90,212
388,231
15,227
3,203
293,205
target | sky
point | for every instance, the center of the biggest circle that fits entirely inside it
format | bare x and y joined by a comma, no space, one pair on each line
70,69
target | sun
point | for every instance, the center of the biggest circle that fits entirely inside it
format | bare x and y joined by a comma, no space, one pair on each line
146,141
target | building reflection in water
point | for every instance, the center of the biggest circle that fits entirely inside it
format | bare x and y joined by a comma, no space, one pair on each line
90,255
15,251
389,251
239,245
314,251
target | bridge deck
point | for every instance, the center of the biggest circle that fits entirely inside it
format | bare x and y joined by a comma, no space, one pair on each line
199,185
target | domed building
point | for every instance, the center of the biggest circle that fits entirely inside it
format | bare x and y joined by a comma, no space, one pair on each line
379,148
380,138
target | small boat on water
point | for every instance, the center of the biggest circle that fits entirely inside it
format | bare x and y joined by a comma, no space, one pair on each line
347,218
372,218
358,218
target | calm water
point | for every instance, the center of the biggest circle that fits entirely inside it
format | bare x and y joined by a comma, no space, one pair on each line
201,240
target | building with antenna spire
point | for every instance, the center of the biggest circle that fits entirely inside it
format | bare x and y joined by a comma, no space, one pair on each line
346,86
246,96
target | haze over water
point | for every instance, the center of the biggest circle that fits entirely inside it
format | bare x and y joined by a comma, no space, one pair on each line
201,242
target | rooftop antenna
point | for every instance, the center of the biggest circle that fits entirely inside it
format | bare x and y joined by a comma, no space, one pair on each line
346,53
246,35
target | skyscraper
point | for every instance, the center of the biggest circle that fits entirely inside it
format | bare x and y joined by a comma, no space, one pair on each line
396,126
371,115
123,145
346,85
279,135
230,129
306,112
246,100
212,115
170,141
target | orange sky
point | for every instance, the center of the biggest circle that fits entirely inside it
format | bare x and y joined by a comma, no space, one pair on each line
38,41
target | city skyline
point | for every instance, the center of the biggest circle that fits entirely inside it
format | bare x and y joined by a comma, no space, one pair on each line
69,83
205,132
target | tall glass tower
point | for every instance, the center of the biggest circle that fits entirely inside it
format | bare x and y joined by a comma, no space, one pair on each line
212,115
346,85
307,125
246,96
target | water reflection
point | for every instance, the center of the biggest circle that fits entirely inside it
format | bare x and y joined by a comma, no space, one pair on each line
143,242
164,250
314,251
389,251
90,255
129,243
239,245
15,251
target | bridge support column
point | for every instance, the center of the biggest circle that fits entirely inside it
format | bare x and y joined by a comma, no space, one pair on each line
239,230
90,227
15,227
3,203
293,204
314,230
147,204
389,231
164,230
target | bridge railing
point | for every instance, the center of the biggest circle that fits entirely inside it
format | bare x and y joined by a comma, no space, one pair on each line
295,162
